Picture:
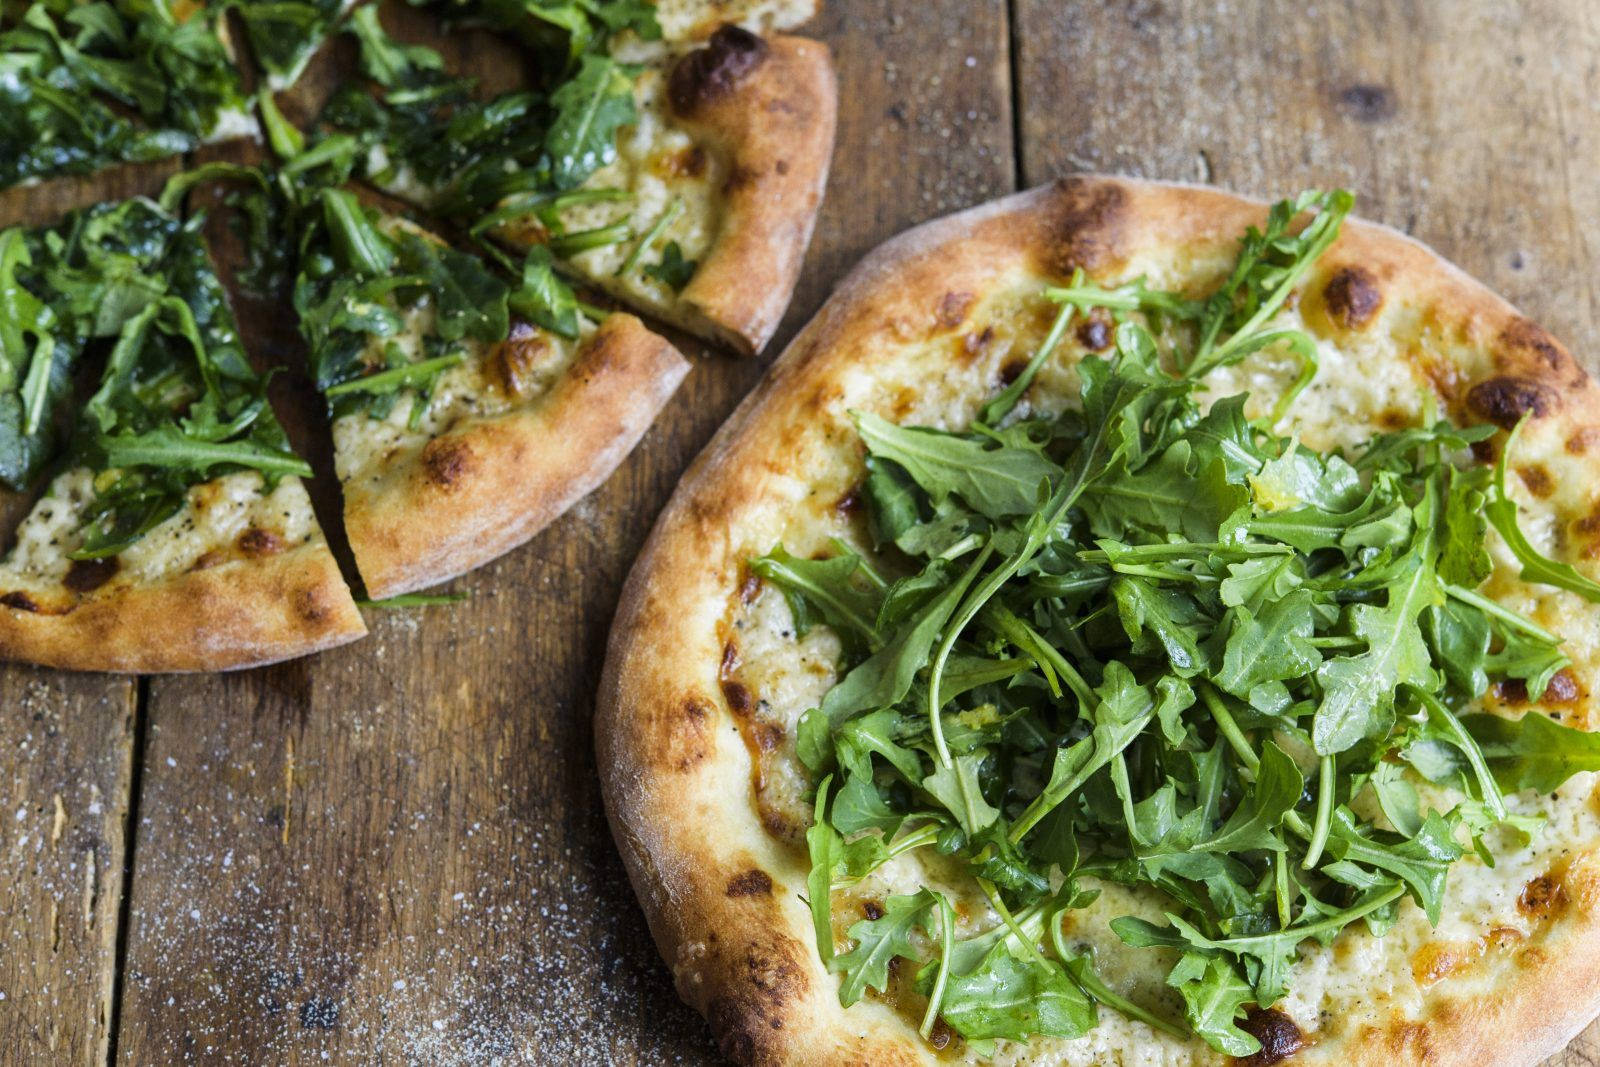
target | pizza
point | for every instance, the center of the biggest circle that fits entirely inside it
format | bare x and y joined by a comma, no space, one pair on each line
83,87
467,413
429,239
174,532
675,159
1129,625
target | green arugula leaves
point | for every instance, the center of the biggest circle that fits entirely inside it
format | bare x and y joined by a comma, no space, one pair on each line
83,86
1148,644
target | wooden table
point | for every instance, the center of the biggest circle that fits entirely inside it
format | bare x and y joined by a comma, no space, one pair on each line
395,852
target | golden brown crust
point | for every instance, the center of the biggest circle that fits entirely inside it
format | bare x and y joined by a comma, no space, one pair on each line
478,491
243,613
771,110
675,772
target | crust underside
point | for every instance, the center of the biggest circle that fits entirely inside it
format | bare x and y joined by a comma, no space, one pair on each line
722,894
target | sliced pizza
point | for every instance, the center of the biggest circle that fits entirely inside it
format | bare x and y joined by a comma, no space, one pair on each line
471,407
683,176
175,534
85,86
1129,625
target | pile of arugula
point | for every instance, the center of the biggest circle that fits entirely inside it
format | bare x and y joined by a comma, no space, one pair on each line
356,280
85,85
1166,648
176,402
483,162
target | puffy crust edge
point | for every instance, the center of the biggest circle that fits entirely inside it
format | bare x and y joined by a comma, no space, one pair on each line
244,613
776,129
671,757
477,492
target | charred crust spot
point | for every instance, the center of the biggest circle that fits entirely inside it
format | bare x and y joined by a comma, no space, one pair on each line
708,74
518,356
750,588
1511,691
1088,224
871,910
851,502
1279,1036
763,984
1351,297
445,461
1438,960
738,697
87,575
693,710
1525,339
730,660
1504,400
752,883
1563,688
1537,479
975,343
1095,334
939,1037
1393,419
1542,897
1366,102
1011,370
309,604
769,736
256,542
1583,440
688,163
1483,451
208,559
953,308
18,600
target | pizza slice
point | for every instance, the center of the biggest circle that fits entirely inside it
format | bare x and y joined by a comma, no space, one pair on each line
84,86
1130,624
471,405
682,176
175,533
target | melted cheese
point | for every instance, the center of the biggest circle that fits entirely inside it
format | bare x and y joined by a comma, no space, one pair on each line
661,166
364,446
1356,981
204,531
684,20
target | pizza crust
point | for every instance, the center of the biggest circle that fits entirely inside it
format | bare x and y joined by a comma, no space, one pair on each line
479,490
720,891
775,126
244,613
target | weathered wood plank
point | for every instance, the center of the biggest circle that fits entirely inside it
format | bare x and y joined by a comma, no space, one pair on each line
1472,126
66,758
395,852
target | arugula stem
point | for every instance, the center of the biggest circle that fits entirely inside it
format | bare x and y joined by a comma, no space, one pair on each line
1319,836
947,937
952,631
1441,717
1229,728
1011,923
1515,620
1001,405
1280,877
567,245
1333,922
1091,983
667,218
397,377
36,387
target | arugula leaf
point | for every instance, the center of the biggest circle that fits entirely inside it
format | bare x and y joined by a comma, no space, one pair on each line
998,482
589,110
880,941
1536,567
1533,752
1008,997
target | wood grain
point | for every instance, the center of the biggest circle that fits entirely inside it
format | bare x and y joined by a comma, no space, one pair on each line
395,852
1472,126
66,759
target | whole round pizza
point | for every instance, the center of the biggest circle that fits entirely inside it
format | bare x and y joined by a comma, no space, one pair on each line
1130,624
